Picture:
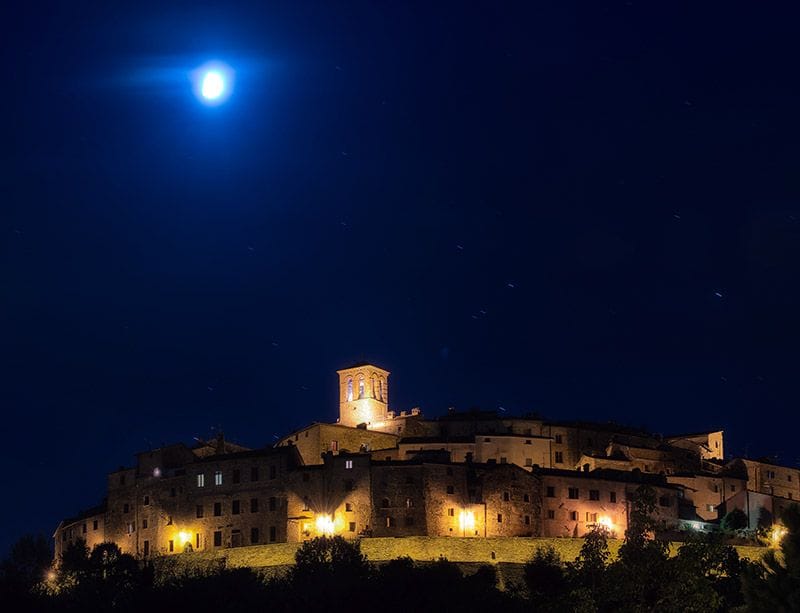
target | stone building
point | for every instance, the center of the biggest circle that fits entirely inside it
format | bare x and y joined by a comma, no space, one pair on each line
380,472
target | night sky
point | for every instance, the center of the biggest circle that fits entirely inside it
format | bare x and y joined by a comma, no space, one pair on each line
588,210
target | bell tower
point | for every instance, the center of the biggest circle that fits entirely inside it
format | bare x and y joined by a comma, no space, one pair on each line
363,394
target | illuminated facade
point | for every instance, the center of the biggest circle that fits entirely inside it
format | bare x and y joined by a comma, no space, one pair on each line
379,472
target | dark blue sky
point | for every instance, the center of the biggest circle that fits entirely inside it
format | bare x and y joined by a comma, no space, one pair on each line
587,209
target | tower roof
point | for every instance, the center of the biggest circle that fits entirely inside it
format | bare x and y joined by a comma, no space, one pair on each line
358,365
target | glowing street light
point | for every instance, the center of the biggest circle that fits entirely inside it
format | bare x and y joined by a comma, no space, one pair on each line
325,525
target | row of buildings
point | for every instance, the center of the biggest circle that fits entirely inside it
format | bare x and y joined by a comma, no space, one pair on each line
380,473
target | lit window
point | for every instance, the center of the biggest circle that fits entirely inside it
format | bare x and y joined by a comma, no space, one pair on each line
218,477
201,480
361,386
348,464
349,388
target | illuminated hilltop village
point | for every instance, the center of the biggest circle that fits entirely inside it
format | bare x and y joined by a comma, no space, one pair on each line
380,473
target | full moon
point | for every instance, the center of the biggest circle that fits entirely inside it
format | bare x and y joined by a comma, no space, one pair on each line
212,82
213,85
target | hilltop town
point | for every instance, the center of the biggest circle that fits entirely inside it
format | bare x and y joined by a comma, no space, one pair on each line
378,472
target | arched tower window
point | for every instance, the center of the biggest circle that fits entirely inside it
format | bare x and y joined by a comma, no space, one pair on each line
349,388
383,391
361,388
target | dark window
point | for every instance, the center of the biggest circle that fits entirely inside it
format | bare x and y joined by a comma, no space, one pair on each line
573,515
218,538
349,486
487,440
126,507
573,493
199,510
589,442
236,507
253,536
527,520
306,477
409,479
273,472
272,504
144,523
169,520
351,526
254,473
236,538
197,540
172,492
551,491
594,494
237,475
559,439
409,521
83,528
217,509
449,470
450,489
559,457
171,546
451,512
612,496
499,518
254,505
273,534
64,536
146,548
146,500
385,503
504,460
526,498
527,441
506,496
94,525
551,514
348,506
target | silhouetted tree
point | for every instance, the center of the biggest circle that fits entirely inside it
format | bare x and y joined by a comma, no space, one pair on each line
25,567
545,578
734,520
773,584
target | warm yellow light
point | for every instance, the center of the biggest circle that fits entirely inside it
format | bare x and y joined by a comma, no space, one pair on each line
184,537
605,522
51,575
777,534
325,525
466,520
